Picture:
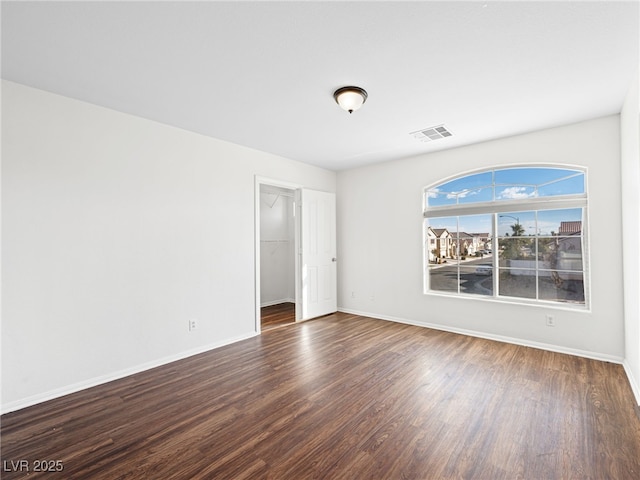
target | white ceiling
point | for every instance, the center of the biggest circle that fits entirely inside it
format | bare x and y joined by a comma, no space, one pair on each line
262,74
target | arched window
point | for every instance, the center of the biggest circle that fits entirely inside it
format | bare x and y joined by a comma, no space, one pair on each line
515,234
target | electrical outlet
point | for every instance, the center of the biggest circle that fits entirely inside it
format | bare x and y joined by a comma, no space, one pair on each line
353,294
193,324
551,321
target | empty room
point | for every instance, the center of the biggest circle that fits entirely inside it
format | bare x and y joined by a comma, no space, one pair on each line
320,239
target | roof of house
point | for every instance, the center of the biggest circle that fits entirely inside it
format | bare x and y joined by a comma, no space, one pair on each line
570,227
439,231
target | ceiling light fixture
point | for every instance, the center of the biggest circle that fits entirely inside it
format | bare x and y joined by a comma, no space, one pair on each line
350,98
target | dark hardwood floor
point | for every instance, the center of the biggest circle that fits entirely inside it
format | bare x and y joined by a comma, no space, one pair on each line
279,315
343,397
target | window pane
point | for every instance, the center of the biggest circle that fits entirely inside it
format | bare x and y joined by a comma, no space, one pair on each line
476,271
442,234
547,253
566,221
436,198
532,175
443,277
476,195
474,234
514,191
570,253
562,286
468,182
468,189
517,224
445,223
567,186
476,279
463,241
517,252
560,253
520,283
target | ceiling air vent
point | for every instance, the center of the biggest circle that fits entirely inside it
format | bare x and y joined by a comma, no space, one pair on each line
431,133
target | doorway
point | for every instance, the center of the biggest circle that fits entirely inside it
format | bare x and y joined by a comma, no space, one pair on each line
277,233
295,251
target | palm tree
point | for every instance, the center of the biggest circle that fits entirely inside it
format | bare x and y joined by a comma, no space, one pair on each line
511,249
517,229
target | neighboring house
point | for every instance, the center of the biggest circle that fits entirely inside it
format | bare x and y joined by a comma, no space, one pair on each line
431,245
570,239
570,246
483,240
570,228
468,244
564,257
447,244
443,242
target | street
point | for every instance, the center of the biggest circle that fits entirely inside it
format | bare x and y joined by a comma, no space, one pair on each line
444,277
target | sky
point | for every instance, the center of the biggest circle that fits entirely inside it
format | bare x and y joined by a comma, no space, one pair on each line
504,185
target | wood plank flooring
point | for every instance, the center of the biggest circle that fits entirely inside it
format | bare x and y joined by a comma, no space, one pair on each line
343,397
275,316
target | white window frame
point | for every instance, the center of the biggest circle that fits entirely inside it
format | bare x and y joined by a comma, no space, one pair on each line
498,207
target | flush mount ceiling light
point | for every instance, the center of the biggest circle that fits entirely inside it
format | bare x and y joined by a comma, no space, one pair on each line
350,98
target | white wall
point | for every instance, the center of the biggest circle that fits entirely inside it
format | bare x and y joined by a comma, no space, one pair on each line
117,231
380,241
630,137
277,248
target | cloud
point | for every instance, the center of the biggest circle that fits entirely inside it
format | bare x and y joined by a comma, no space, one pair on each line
516,192
463,193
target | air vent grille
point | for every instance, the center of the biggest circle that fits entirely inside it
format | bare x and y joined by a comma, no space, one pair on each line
432,133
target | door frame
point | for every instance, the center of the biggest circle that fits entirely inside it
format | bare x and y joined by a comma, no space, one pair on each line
259,181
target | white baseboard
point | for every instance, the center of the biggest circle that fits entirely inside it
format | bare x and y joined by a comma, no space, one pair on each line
277,302
76,387
635,387
489,336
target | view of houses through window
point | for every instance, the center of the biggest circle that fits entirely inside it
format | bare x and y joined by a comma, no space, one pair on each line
510,233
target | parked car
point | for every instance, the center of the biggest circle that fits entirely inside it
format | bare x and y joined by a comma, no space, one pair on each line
484,270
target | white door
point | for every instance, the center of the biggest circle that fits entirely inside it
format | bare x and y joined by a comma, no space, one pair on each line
318,254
